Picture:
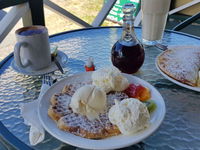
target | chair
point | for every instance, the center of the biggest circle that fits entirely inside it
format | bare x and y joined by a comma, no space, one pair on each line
187,22
173,11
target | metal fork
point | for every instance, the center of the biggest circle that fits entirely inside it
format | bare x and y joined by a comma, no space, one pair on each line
47,82
47,79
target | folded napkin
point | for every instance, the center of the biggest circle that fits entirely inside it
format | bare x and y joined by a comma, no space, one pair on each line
30,114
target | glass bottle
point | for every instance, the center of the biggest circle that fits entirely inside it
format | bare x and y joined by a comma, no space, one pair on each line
127,53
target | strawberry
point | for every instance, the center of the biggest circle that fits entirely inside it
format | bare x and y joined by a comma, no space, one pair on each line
138,91
131,90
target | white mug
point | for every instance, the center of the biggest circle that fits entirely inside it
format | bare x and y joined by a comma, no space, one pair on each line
32,50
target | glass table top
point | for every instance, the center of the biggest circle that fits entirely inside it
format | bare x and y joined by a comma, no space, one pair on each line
181,126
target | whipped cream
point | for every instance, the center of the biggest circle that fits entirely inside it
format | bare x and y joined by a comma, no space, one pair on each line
109,79
89,100
130,115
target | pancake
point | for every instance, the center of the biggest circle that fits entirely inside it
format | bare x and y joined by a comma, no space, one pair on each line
181,64
67,120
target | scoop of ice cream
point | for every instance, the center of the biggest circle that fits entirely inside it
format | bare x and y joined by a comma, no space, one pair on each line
130,115
89,100
109,79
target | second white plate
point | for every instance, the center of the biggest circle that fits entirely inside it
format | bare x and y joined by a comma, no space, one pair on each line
173,80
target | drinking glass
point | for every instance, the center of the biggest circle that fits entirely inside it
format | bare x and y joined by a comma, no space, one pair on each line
154,17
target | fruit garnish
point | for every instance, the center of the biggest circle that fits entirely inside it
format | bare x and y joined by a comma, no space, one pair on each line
151,106
138,91
142,93
131,90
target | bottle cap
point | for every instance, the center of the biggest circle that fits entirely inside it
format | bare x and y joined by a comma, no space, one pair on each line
89,62
89,65
128,10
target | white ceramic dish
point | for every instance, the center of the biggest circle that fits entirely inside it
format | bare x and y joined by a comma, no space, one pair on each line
173,80
108,143
61,57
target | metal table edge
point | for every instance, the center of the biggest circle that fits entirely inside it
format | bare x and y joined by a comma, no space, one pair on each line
5,60
92,28
12,139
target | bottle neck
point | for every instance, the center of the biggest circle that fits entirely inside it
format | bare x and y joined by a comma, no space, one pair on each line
128,35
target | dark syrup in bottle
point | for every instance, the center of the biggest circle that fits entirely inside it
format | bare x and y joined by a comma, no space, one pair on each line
127,53
128,59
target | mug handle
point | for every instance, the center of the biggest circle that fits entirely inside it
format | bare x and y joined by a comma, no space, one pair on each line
17,54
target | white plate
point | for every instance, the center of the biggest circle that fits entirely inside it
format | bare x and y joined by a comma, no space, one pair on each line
173,80
108,143
61,57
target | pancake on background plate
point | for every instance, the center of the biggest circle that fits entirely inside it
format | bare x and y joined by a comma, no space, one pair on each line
181,63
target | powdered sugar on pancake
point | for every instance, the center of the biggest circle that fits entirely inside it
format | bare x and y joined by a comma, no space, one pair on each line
182,64
78,124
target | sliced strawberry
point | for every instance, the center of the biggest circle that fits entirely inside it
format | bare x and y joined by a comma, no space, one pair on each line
131,90
138,91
